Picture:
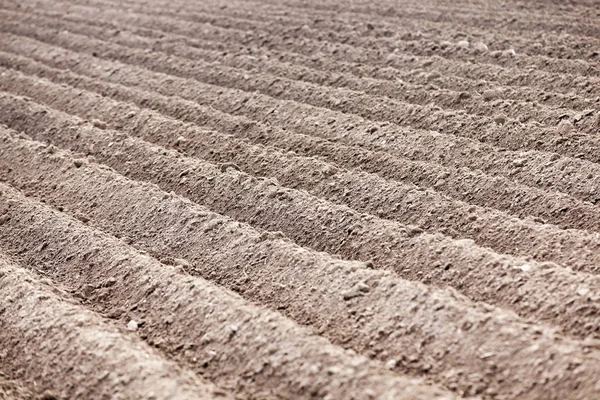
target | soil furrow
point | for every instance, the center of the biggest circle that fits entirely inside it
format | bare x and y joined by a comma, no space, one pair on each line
254,352
61,349
412,69
287,199
369,310
587,85
343,231
524,11
583,31
421,37
253,58
544,170
560,49
472,187
364,192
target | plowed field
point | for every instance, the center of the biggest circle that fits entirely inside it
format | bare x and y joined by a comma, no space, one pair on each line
295,199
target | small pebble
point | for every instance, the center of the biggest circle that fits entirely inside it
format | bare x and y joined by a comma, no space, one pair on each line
583,291
88,290
524,267
99,124
363,287
78,162
565,126
480,46
463,44
391,364
433,75
181,262
48,396
132,325
519,162
500,119
491,94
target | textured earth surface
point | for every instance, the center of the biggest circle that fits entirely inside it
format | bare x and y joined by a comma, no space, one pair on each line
298,199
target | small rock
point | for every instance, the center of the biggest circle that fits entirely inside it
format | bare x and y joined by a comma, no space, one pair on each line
181,262
223,167
518,162
524,267
116,313
47,395
510,52
99,124
88,290
3,219
500,119
462,44
413,231
78,162
565,126
433,75
491,94
132,325
109,282
363,287
352,293
391,364
583,291
480,46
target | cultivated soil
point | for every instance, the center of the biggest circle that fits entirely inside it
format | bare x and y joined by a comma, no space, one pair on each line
294,199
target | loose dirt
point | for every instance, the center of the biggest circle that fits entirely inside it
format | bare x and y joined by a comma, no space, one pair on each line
261,199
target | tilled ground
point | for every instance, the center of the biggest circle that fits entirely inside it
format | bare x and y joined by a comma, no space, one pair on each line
260,199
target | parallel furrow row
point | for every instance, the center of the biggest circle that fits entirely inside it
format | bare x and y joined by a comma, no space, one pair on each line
276,199
558,48
251,350
368,310
404,67
482,275
471,187
38,321
386,48
364,192
298,68
424,38
544,170
581,29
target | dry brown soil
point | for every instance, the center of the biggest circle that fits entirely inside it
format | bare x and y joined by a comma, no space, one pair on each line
297,199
